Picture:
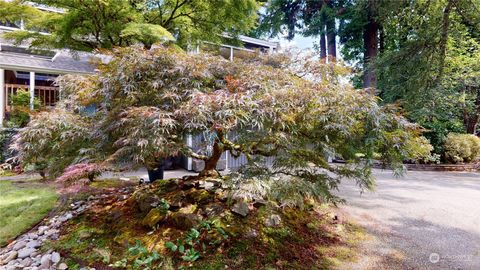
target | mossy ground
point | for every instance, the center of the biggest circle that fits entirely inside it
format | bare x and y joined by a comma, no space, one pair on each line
306,239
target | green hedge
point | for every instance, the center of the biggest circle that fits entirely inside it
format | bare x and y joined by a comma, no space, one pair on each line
462,148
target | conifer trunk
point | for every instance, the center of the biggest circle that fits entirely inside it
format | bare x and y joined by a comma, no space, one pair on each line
323,47
331,38
370,44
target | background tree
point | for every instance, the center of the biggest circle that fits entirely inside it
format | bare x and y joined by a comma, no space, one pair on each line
308,18
428,64
417,54
87,25
148,101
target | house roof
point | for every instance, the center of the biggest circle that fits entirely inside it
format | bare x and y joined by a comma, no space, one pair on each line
21,58
61,63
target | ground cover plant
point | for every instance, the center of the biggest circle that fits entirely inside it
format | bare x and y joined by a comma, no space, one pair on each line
23,204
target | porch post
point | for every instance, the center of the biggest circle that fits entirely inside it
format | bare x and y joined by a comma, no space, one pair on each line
2,96
32,89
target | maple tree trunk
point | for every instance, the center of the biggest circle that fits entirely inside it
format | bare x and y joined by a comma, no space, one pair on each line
370,44
210,169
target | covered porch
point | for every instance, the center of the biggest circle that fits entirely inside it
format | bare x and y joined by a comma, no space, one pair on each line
35,72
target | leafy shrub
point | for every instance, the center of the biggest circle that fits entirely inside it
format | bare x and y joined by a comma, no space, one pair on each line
20,115
461,148
79,171
420,150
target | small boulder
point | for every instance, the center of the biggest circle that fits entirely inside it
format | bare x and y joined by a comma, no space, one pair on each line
221,195
62,266
45,261
19,245
214,210
12,255
145,200
190,209
55,257
273,221
199,196
185,221
165,186
240,208
252,233
154,217
25,252
259,203
33,244
26,262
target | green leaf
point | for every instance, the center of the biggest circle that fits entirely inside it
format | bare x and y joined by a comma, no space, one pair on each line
171,246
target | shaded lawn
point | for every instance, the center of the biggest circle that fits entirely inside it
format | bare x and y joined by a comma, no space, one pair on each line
22,204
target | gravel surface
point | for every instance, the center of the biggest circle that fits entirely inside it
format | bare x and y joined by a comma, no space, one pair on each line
422,220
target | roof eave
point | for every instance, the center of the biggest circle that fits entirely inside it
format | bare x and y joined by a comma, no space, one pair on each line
44,70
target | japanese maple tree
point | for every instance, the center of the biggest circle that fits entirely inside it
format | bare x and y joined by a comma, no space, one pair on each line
147,102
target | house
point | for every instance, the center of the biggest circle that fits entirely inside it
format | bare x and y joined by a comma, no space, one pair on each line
36,70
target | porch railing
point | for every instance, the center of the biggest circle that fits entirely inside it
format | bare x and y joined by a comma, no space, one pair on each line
48,95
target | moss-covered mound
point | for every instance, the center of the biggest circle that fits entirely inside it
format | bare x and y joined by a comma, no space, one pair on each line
187,223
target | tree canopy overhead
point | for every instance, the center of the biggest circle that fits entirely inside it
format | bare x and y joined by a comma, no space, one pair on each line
148,101
88,25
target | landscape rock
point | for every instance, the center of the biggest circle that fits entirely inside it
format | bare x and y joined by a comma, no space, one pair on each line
26,262
252,233
214,210
273,221
19,245
9,257
154,217
45,261
200,196
62,266
185,221
145,200
42,229
240,208
259,203
33,244
25,252
221,195
55,257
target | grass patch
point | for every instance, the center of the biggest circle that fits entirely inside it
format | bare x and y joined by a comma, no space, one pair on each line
21,206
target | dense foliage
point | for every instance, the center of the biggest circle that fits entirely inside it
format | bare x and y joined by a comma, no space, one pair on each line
420,55
462,148
148,101
88,25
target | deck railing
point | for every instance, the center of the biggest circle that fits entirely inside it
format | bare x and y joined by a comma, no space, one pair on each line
48,95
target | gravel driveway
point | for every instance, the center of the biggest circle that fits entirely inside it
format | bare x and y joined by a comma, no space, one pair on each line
423,220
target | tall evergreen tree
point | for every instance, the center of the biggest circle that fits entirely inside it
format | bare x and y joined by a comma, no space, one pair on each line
307,18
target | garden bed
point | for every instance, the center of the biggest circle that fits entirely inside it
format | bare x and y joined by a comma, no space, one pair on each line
124,232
